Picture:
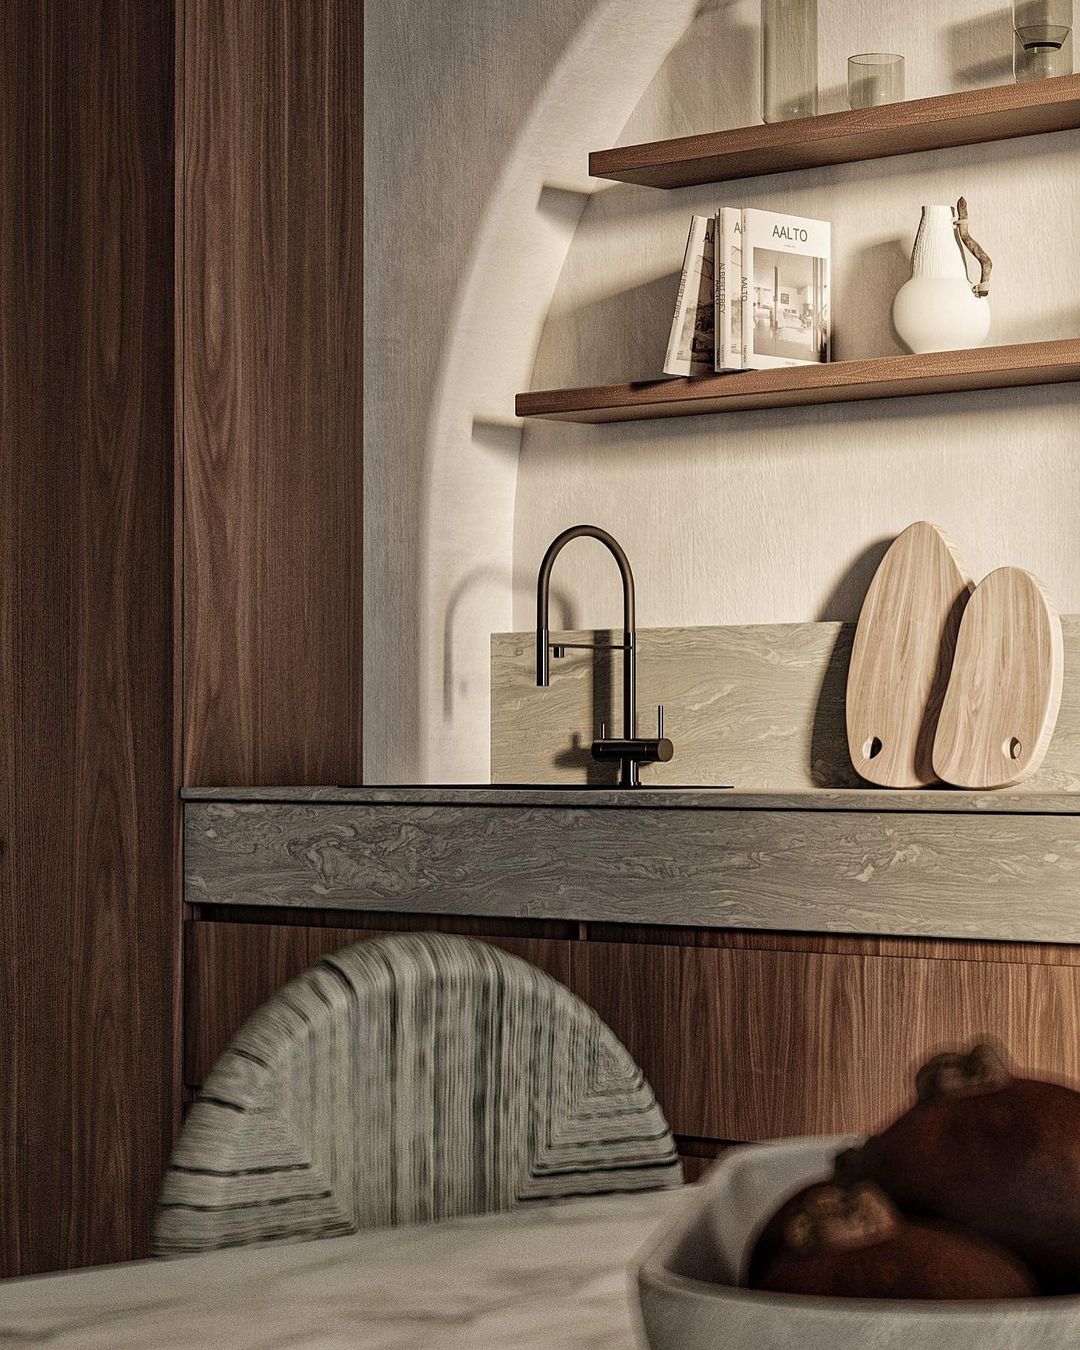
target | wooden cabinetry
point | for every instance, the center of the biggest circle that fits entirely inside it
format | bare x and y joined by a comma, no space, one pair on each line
748,1042
270,373
231,968
89,815
180,535
743,1035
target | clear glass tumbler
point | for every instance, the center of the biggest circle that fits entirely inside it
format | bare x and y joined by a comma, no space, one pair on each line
874,78
1043,39
788,59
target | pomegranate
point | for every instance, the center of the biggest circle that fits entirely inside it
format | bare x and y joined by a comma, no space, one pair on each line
853,1243
992,1153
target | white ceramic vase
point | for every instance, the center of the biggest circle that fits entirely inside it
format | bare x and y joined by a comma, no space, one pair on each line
938,310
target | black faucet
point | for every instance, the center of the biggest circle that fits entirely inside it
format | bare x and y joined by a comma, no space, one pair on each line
628,750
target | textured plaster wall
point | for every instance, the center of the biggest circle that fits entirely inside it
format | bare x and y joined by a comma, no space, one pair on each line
490,270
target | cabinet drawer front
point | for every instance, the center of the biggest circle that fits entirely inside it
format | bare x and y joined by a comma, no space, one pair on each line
232,968
760,1044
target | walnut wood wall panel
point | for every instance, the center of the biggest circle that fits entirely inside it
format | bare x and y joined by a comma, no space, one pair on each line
231,968
272,311
752,1045
89,921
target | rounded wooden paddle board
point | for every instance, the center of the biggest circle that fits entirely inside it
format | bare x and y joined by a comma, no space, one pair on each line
901,658
1005,688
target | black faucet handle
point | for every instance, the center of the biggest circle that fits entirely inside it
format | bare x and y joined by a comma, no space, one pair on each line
659,721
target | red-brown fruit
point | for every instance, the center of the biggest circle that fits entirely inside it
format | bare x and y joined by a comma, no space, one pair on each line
852,1243
847,1211
992,1153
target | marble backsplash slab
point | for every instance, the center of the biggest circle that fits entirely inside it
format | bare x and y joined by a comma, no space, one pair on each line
757,706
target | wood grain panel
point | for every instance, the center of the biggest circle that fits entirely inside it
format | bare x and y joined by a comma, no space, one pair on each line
837,944
232,968
747,1045
272,304
970,876
89,919
1009,366
998,112
760,706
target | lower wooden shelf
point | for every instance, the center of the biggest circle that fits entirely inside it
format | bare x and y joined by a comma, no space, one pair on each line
1015,365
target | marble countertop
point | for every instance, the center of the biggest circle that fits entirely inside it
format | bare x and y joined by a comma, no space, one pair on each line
538,1278
718,798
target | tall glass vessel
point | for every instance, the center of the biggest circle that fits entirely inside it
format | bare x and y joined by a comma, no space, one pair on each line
1043,39
788,59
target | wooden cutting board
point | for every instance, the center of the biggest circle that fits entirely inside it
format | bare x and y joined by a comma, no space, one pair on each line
1005,690
901,658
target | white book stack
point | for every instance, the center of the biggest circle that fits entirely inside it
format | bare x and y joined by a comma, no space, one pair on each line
753,294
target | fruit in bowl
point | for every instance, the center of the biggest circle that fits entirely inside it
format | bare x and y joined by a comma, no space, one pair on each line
973,1193
996,1154
852,1242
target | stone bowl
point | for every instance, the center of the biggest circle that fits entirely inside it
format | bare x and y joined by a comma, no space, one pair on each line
691,1299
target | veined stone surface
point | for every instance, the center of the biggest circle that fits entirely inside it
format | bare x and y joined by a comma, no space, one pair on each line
532,1279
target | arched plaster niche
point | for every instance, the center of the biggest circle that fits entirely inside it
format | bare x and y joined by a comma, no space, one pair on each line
778,517
472,443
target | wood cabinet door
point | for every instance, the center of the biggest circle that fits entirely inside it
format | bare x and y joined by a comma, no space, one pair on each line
232,968
759,1044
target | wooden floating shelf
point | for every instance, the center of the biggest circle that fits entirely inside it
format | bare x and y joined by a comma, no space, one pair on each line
976,115
1024,363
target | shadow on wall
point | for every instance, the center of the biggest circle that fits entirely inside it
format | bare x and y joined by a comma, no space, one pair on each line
729,100
578,754
479,581
878,270
969,41
500,438
829,729
830,717
561,205
846,598
642,316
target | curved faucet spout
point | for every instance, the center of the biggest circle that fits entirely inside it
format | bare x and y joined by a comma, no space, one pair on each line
543,586
628,751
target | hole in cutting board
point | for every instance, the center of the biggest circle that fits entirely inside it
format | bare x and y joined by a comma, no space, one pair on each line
872,748
1012,749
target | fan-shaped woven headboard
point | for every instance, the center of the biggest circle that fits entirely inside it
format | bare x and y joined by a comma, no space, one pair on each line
405,1079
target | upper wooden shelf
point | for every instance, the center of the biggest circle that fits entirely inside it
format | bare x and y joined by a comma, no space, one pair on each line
996,114
1003,367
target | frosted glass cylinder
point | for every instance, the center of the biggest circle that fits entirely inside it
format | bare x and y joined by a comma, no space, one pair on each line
788,59
1042,46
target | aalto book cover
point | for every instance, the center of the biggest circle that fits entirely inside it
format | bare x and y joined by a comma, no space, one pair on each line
786,319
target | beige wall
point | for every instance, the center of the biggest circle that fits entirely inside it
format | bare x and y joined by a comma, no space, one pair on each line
746,518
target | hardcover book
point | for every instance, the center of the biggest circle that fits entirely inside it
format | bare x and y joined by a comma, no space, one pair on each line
786,319
690,347
729,289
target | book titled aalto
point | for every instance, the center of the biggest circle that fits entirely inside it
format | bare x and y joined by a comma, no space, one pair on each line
786,319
